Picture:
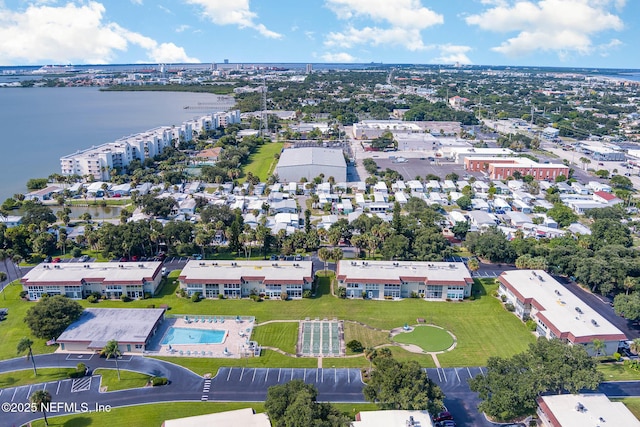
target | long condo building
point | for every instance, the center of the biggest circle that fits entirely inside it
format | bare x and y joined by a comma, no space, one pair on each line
558,313
238,279
98,161
79,280
405,279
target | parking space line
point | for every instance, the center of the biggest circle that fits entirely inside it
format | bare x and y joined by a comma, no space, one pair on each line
254,375
304,378
279,372
229,374
29,392
444,375
317,375
349,377
241,374
470,376
58,388
322,375
482,372
266,377
456,371
438,372
14,393
335,375
291,374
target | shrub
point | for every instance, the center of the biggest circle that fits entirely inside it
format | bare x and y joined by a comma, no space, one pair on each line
147,295
617,356
182,293
81,367
531,324
92,299
364,294
196,297
414,294
255,297
472,297
158,381
76,252
23,294
503,298
220,296
495,294
151,306
510,307
284,296
306,294
355,346
125,298
342,292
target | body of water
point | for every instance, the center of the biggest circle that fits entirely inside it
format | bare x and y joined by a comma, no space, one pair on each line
625,76
39,125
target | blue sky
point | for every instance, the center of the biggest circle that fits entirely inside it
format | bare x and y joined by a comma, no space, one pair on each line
569,33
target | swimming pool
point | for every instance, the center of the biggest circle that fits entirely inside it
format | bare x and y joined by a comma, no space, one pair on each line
177,336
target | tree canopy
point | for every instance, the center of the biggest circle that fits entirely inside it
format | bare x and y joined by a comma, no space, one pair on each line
402,385
294,405
511,385
52,315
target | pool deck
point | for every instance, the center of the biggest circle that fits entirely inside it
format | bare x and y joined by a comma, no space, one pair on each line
235,341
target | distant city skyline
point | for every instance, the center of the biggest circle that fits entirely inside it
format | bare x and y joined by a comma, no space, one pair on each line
550,33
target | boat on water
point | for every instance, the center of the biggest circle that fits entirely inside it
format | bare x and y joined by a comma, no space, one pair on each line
56,69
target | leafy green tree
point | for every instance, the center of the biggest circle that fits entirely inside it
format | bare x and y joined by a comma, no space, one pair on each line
41,399
324,254
52,315
598,346
37,184
621,181
609,231
23,345
562,214
473,264
460,229
396,247
511,385
491,244
294,405
627,306
402,385
464,203
112,349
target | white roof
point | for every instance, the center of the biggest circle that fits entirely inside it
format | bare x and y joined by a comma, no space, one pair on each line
234,271
311,155
395,418
240,417
393,271
558,309
588,410
73,273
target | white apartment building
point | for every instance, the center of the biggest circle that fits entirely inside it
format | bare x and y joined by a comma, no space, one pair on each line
403,279
558,313
98,161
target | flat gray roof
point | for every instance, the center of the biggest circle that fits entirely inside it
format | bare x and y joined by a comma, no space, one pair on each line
312,156
73,273
125,325
397,271
276,272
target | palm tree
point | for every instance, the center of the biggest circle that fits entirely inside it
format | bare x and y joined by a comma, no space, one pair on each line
473,264
629,284
42,399
25,344
112,350
369,354
324,254
635,346
598,346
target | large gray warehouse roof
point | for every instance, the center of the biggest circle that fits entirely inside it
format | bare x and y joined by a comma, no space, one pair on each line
312,156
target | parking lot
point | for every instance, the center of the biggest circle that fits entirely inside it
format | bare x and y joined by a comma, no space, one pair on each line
412,167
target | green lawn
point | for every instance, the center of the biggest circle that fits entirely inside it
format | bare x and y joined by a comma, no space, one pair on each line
483,327
368,337
429,338
127,379
618,372
262,162
26,377
280,335
156,414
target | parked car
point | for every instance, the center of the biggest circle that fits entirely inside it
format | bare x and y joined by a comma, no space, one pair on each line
47,259
443,416
84,258
165,272
55,260
298,258
124,259
446,423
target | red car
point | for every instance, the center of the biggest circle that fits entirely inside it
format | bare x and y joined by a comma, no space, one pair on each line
443,416
134,258
55,260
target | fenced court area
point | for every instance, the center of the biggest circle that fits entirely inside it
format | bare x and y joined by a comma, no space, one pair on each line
321,338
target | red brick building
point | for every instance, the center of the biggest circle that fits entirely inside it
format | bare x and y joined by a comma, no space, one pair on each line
502,168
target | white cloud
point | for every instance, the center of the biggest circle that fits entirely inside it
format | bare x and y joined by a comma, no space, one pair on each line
338,57
562,26
451,54
310,35
237,12
401,23
182,28
73,33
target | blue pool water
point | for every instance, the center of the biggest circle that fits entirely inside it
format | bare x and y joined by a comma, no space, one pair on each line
176,336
